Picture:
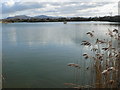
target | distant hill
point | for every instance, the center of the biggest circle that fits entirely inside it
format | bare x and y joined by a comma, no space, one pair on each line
44,18
28,17
19,17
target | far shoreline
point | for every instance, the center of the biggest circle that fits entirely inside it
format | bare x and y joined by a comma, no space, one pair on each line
60,19
113,23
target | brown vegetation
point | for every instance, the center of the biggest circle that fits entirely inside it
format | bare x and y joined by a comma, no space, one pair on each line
106,61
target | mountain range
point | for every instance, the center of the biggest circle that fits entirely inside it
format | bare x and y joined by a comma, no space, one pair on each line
28,17
44,18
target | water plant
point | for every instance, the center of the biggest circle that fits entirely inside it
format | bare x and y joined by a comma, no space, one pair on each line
105,60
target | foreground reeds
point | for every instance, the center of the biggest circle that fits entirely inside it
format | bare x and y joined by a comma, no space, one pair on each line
105,61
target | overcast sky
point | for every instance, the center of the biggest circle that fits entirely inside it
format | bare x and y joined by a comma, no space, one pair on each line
67,8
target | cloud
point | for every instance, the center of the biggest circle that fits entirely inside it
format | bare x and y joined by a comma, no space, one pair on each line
62,0
83,8
119,8
19,6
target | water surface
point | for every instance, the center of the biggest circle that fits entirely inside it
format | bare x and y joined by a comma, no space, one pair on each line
35,55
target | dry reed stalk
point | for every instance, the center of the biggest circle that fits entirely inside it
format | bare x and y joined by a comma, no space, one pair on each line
106,59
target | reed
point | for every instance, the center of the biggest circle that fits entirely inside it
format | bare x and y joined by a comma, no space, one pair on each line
105,61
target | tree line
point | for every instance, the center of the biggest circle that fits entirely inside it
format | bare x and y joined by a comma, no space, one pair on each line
62,19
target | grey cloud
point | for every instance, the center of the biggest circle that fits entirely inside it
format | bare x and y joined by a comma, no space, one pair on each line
20,7
68,8
64,8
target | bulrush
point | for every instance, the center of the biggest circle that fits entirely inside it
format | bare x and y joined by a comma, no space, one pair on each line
100,41
110,33
104,71
105,49
85,56
99,56
115,30
89,33
110,55
111,68
108,70
94,49
86,43
74,65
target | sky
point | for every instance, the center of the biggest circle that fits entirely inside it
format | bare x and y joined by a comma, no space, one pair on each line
66,8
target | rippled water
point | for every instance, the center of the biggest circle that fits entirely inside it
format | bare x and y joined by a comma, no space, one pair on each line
35,55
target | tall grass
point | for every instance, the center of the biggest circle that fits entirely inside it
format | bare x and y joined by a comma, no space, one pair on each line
105,61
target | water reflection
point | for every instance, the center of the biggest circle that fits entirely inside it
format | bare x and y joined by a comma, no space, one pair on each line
37,54
12,36
59,35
